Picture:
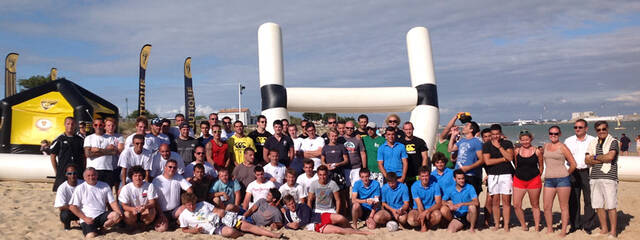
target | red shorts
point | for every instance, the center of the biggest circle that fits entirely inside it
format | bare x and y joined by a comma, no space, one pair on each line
534,183
325,219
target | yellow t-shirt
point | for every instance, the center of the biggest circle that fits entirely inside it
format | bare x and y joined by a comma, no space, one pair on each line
237,146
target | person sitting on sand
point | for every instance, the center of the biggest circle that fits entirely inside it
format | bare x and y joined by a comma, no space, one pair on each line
201,182
323,193
138,199
428,200
89,203
225,193
265,211
203,217
395,200
64,194
366,200
169,185
290,187
300,216
462,201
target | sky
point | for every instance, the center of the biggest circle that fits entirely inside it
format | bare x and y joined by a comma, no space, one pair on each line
498,60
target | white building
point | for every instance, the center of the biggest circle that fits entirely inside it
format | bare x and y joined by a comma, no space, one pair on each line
244,115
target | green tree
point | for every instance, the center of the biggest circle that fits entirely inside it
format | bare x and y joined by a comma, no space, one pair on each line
312,116
326,116
147,114
33,81
345,119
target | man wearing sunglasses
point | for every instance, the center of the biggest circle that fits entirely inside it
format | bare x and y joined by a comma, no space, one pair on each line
199,158
227,132
64,194
331,123
66,149
578,144
169,185
100,151
393,121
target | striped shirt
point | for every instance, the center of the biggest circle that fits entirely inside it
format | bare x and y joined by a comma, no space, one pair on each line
596,172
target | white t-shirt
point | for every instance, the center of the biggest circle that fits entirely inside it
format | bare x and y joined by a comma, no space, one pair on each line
169,191
92,200
313,145
297,191
202,217
208,170
64,194
134,196
157,163
259,190
578,149
277,172
116,139
151,142
305,181
129,158
224,135
164,139
104,162
297,143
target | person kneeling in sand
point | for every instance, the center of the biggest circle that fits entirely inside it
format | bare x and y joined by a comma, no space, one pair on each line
428,200
138,199
462,202
203,217
88,203
64,194
395,200
300,216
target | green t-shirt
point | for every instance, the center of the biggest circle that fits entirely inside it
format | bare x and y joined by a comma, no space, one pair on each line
444,149
371,146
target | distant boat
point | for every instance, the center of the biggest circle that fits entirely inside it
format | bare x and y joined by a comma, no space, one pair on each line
619,127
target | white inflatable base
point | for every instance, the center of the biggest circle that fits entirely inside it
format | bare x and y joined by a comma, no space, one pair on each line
26,167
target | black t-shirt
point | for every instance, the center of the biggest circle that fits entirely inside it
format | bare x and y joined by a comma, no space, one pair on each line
303,136
186,148
414,148
625,142
399,134
361,133
259,139
69,150
281,146
500,168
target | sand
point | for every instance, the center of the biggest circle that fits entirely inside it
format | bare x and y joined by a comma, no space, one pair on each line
27,212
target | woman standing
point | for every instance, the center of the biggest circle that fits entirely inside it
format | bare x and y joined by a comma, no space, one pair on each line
529,166
557,178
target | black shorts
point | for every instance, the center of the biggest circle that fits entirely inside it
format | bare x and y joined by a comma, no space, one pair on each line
98,222
107,177
365,213
474,181
463,219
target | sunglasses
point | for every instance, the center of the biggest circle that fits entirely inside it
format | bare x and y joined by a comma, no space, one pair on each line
348,127
394,121
601,129
199,153
331,122
554,134
215,131
71,173
171,167
578,127
524,131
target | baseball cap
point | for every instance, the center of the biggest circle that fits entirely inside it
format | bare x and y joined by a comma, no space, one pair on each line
371,125
156,121
184,125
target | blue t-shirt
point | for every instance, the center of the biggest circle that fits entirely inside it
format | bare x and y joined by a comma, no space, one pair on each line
467,194
230,188
395,198
392,157
367,192
445,181
467,154
427,195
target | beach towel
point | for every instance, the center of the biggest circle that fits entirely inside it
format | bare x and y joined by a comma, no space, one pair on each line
605,149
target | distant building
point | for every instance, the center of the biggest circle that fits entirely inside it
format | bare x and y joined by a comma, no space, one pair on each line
591,116
244,115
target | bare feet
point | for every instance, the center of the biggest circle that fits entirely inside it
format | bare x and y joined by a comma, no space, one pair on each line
525,228
471,230
371,224
506,229
494,228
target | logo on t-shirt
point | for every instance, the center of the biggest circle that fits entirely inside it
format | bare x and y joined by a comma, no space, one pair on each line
411,148
240,145
261,140
350,146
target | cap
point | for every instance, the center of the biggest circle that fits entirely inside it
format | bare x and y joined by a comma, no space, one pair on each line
156,121
184,125
371,125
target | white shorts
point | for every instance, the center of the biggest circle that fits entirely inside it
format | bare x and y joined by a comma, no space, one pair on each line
500,184
352,175
604,193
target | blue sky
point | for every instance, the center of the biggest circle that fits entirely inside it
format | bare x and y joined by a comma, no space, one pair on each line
499,60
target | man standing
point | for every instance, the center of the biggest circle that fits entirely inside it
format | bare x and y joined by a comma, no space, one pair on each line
205,133
357,154
217,150
110,126
68,149
136,156
392,156
470,157
363,120
64,194
497,155
156,130
259,137
371,144
213,120
312,145
303,126
331,123
160,158
169,185
89,203
99,151
624,145
185,144
393,121
578,145
416,151
175,130
602,156
227,131
151,142
238,143
280,143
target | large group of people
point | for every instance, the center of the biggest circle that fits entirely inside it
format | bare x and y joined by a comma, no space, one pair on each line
353,178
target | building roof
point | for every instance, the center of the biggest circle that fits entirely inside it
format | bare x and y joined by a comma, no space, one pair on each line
232,110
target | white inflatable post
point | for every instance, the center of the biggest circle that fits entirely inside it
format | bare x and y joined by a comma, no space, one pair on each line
271,74
426,115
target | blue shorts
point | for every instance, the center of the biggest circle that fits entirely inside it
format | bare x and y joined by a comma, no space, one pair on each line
557,182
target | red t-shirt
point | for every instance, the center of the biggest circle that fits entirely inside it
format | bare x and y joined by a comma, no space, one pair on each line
218,153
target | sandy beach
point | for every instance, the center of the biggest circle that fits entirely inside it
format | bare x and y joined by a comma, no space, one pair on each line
27,212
